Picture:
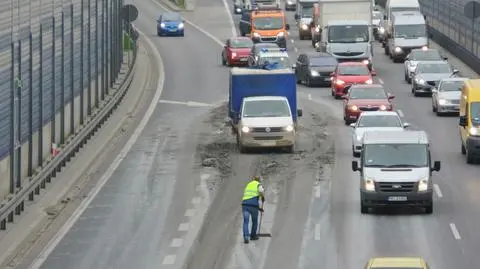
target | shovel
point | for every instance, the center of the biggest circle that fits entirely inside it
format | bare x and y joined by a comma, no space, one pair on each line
260,226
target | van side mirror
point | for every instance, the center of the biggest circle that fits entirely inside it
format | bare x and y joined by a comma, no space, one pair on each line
430,35
436,166
297,17
294,66
406,124
352,125
287,26
391,96
299,112
462,121
455,71
445,58
355,166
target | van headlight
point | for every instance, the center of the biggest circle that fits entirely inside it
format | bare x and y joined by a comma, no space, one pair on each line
442,102
381,30
245,129
420,81
314,73
369,185
281,34
181,25
289,128
423,184
398,49
304,27
473,131
256,35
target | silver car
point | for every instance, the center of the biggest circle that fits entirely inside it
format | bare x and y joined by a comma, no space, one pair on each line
446,97
428,74
374,121
419,55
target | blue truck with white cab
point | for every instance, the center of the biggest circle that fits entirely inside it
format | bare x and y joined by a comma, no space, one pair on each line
262,108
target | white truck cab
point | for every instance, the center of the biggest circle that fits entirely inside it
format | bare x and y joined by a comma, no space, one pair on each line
266,121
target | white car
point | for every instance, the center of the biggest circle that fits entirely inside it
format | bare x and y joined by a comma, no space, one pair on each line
374,121
446,96
419,55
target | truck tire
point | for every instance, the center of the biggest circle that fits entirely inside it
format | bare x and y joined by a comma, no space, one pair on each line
470,158
291,149
363,208
429,208
387,52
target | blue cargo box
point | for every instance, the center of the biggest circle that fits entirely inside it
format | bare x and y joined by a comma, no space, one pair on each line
245,82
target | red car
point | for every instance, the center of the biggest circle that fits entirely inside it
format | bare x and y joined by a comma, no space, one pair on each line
348,73
365,98
236,51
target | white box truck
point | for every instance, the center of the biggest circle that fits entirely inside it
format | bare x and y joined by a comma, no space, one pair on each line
343,28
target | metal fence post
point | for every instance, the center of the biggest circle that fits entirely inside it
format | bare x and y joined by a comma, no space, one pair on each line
53,120
72,73
103,62
62,81
97,69
40,101
113,36
18,125
13,156
89,52
30,107
82,82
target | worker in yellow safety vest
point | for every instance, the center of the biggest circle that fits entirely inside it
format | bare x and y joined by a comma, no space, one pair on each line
254,191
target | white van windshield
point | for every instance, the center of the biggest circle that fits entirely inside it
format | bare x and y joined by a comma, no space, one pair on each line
395,155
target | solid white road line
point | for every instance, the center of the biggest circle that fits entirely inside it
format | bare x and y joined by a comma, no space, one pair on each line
196,200
400,113
295,49
309,96
455,232
42,257
317,191
380,80
169,260
317,232
176,242
183,227
437,190
205,176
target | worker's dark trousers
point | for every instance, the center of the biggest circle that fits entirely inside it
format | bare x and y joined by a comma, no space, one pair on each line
247,212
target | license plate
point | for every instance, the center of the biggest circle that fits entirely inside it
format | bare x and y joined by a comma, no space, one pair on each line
397,198
269,143
243,59
328,79
173,30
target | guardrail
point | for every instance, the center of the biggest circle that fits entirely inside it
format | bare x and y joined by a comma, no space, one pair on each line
16,205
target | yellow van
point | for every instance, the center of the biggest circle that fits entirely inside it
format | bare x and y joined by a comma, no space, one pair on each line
397,262
470,119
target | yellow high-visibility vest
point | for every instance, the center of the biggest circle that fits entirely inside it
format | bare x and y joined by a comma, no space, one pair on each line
251,190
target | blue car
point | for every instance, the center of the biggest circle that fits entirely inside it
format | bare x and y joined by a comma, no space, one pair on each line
170,24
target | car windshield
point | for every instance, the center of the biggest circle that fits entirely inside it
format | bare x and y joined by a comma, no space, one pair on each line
353,70
475,113
379,121
268,23
323,61
266,108
241,43
348,33
442,68
396,267
428,55
410,31
451,86
171,17
282,62
307,12
367,93
402,9
395,155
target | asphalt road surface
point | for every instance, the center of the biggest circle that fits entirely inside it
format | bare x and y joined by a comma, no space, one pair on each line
140,218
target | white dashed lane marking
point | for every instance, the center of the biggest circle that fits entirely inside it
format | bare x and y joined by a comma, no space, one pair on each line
400,112
317,232
317,191
455,231
169,260
437,190
293,41
176,242
309,97
295,49
380,81
190,213
183,227
196,200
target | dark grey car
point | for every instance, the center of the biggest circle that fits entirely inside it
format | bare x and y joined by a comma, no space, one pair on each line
315,68
427,75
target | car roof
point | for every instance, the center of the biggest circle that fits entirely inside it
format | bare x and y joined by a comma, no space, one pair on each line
351,64
413,18
379,113
393,262
249,71
361,86
454,79
394,137
239,38
264,98
273,54
425,50
347,22
318,55
265,45
432,62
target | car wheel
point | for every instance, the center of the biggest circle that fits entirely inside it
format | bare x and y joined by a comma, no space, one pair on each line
363,208
308,82
438,113
291,149
414,91
463,150
299,81
434,109
409,80
355,154
224,62
429,208
158,33
469,156
405,77
386,50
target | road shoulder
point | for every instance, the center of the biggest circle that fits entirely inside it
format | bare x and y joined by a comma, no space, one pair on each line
24,240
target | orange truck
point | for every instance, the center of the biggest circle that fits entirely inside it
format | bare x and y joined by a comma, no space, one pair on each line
265,24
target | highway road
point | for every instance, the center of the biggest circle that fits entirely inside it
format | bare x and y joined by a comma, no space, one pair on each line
144,217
